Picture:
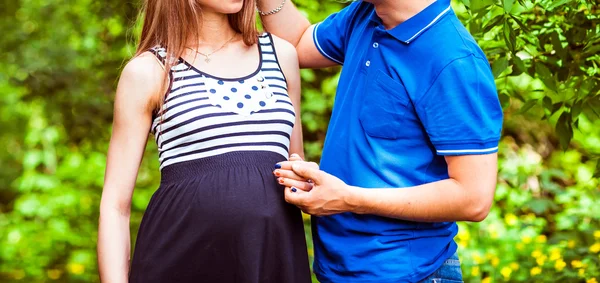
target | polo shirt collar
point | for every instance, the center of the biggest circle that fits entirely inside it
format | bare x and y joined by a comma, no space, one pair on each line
410,29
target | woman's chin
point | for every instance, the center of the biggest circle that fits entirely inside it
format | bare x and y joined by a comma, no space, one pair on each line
231,7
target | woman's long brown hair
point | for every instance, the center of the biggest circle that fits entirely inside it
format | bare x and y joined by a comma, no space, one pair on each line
172,24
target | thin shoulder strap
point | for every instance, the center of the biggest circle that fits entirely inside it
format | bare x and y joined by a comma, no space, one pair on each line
269,52
161,55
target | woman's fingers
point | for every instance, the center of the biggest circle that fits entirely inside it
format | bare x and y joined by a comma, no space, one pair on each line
288,174
301,185
287,165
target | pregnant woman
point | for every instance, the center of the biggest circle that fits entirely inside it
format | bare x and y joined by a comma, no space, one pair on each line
222,102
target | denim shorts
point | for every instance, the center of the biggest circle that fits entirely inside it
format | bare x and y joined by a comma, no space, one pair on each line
449,272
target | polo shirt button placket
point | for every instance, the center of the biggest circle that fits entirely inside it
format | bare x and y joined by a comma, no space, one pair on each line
368,63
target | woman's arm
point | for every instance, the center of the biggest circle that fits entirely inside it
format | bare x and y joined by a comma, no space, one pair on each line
288,59
138,87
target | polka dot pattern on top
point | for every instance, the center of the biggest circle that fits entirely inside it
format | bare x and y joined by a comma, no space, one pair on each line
243,97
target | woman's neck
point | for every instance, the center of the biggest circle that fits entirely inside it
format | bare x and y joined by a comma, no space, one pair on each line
215,30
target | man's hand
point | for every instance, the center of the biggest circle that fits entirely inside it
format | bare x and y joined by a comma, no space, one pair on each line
326,195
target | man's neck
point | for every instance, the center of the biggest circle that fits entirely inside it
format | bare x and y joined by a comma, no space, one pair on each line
395,12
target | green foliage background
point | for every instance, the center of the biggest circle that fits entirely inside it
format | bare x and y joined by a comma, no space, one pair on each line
58,70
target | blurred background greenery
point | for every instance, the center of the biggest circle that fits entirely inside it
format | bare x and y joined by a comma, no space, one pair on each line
59,64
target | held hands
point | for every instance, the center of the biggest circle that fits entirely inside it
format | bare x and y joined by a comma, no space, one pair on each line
312,190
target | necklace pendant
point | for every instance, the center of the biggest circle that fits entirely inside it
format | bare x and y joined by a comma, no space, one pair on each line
207,59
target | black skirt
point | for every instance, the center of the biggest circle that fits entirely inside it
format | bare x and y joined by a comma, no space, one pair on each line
221,219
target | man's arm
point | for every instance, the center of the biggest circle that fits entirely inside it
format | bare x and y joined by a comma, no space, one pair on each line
291,25
466,195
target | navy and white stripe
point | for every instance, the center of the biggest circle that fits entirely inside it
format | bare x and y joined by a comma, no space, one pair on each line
202,116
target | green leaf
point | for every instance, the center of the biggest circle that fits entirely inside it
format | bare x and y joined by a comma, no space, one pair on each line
499,66
508,4
517,62
597,170
528,105
557,3
494,22
539,206
504,99
576,109
556,107
564,130
547,102
480,4
546,76
557,44
520,23
509,36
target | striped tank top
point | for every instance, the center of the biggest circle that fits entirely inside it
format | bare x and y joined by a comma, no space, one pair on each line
204,115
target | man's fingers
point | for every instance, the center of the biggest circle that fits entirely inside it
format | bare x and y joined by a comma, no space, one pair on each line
307,171
288,174
304,186
295,157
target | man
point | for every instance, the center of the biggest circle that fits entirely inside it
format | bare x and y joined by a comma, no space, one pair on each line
411,145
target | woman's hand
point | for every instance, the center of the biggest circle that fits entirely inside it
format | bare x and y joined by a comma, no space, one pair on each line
284,173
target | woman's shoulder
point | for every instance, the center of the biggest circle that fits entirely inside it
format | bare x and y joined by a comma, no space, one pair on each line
143,76
286,54
284,48
145,67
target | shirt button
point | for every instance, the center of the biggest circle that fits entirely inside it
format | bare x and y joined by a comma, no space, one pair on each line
368,63
375,45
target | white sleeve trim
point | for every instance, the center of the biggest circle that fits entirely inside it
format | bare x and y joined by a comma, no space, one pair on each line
321,49
469,150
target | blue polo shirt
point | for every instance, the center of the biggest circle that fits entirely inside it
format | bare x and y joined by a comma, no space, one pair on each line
406,98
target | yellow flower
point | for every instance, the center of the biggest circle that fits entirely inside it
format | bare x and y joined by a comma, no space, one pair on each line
494,234
495,261
464,235
595,248
475,271
555,254
54,274
593,280
477,259
581,272
541,239
571,244
76,268
511,219
506,271
541,260
576,264
514,266
560,265
597,234
536,253
526,239
486,280
520,246
535,271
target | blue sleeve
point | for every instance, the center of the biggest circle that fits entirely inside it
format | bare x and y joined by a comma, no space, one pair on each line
331,35
461,112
